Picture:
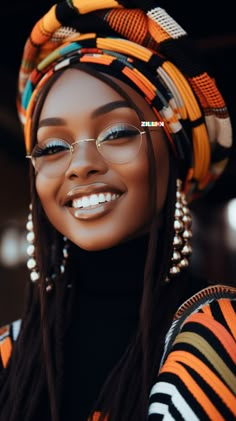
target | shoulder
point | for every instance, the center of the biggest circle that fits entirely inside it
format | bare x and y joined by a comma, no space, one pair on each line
197,378
8,335
210,307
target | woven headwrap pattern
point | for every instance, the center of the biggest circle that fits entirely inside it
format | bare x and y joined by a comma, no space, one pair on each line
145,47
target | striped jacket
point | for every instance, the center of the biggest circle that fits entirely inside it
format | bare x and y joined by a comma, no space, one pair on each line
197,376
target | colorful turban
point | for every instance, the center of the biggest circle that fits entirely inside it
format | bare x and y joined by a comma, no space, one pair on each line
139,43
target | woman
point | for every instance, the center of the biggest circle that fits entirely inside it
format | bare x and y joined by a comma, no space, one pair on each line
122,131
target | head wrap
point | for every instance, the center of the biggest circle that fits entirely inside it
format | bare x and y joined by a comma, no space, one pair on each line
142,45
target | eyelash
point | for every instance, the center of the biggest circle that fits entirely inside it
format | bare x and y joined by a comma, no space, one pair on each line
120,131
42,150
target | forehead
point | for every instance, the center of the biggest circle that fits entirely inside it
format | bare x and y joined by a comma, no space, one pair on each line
80,91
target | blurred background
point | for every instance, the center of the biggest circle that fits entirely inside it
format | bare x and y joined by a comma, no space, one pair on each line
214,219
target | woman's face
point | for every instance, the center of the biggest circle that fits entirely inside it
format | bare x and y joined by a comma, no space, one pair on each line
80,106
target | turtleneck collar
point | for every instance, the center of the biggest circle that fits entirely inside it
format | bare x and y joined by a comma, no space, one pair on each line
113,272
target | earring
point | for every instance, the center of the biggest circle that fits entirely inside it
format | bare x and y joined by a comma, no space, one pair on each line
31,262
182,249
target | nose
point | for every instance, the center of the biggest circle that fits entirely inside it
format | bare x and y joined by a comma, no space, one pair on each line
85,160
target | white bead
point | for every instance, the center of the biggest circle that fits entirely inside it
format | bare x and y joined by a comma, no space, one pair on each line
174,270
187,234
30,237
176,256
177,241
49,288
187,219
65,253
31,263
34,276
184,263
29,225
178,226
187,250
30,250
178,213
186,210
178,205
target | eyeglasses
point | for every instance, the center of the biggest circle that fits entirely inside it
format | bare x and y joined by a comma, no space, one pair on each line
118,144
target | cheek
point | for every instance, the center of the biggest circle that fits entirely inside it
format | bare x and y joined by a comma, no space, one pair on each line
46,189
43,187
135,176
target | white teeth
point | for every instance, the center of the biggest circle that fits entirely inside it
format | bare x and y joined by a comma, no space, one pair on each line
94,199
108,197
85,201
77,203
101,198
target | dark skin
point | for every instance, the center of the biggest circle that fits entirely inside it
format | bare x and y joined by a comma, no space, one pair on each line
80,106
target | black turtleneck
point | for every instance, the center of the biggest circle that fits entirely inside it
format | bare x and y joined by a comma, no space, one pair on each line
109,286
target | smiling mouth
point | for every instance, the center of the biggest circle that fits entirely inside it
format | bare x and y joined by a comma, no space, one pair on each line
93,200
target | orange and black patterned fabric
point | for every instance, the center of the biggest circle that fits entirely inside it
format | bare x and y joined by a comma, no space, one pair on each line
139,43
197,377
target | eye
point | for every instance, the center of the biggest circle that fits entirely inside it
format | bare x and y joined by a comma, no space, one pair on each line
50,147
118,133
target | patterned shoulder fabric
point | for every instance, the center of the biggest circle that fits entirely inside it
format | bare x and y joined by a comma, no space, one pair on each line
8,335
197,378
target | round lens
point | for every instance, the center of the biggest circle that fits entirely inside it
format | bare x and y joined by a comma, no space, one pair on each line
119,143
51,157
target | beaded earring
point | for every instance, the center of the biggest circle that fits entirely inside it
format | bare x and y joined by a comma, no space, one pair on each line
32,264
182,249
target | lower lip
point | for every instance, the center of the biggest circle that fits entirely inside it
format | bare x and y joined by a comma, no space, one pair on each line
94,212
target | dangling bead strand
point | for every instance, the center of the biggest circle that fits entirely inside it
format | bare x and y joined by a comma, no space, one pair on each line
182,249
31,262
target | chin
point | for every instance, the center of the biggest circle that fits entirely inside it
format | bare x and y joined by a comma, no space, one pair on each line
99,244
106,242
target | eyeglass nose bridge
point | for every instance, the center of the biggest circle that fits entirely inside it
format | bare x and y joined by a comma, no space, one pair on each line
72,148
77,142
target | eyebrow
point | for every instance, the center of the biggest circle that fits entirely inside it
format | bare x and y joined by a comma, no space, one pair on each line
109,107
57,121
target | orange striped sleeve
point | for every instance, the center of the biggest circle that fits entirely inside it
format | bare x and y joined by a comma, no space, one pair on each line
229,315
219,331
207,374
173,367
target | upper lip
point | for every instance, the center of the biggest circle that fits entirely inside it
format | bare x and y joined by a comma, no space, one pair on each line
86,190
